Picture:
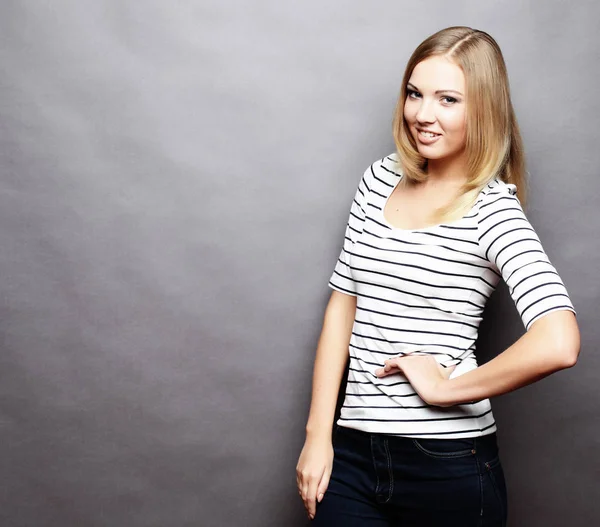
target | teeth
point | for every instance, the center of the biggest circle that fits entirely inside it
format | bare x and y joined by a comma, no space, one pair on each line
428,134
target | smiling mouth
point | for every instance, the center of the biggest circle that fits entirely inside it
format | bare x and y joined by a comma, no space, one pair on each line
428,134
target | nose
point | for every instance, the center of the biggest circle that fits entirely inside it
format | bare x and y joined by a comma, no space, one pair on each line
425,113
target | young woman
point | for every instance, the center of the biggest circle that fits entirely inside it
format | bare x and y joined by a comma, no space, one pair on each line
432,229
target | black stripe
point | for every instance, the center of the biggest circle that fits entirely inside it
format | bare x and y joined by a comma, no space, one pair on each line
540,300
458,418
512,198
416,243
335,286
380,273
520,254
381,180
422,344
554,308
358,205
519,268
449,238
394,353
362,360
459,228
465,355
380,395
355,230
504,234
344,263
429,270
514,243
531,276
357,217
459,322
396,302
537,287
351,381
400,407
404,330
361,242
500,223
390,171
483,220
368,373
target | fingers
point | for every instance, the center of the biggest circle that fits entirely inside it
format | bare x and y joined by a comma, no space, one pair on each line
323,485
311,498
308,485
389,366
395,362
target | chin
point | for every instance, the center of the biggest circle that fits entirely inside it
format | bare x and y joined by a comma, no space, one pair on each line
435,156
431,153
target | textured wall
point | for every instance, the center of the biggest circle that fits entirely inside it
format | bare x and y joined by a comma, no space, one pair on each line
175,181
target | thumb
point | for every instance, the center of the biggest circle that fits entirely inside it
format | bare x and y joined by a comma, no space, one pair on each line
323,486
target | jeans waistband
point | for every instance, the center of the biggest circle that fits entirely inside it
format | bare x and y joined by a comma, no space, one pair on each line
487,443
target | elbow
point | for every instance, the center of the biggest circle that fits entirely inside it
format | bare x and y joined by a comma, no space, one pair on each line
559,333
569,349
570,355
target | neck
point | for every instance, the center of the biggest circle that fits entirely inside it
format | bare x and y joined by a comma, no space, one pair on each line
447,171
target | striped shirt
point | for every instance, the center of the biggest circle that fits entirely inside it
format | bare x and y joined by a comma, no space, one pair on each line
424,291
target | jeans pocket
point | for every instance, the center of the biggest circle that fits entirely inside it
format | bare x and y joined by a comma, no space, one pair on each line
495,473
446,448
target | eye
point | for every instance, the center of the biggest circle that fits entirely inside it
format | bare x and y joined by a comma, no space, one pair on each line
412,94
449,100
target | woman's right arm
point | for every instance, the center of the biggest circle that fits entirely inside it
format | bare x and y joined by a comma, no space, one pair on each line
316,459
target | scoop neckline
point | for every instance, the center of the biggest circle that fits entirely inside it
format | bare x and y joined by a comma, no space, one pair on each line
429,227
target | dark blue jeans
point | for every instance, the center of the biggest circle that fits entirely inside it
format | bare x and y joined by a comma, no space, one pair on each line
388,481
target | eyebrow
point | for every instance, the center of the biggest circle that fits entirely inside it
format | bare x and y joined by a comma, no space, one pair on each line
408,84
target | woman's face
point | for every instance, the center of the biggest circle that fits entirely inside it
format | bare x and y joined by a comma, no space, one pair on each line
435,102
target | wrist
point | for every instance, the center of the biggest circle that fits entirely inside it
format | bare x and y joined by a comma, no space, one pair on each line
319,432
445,394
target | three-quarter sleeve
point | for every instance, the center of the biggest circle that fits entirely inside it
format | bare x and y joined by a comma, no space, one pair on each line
511,245
341,279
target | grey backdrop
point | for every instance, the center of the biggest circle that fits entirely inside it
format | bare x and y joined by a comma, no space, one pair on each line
176,178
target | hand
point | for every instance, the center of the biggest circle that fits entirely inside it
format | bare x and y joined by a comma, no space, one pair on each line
313,472
426,375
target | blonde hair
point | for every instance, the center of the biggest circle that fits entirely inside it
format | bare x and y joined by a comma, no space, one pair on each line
494,146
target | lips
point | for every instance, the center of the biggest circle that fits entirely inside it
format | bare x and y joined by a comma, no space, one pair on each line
426,132
426,138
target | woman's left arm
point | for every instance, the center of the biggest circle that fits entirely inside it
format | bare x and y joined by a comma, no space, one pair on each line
551,344
551,341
